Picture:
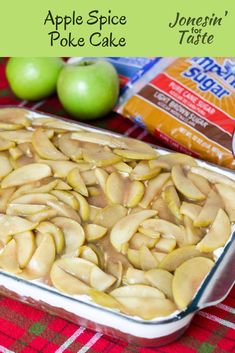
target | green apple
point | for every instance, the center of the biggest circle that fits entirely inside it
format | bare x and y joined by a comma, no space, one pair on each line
88,89
33,78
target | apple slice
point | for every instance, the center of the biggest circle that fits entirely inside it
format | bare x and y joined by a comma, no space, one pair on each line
34,199
26,174
71,275
134,276
165,245
134,257
185,185
87,253
137,290
5,165
190,210
102,177
19,209
163,210
104,299
89,177
62,185
115,187
45,148
109,215
18,136
156,163
134,194
98,138
5,196
162,280
61,169
209,210
71,148
74,235
8,126
147,260
44,186
25,243
83,206
75,180
60,125
43,215
140,239
133,154
15,152
64,210
5,145
94,232
170,230
123,167
218,234
125,228
66,197
200,182
15,116
175,258
173,201
147,308
187,279
42,259
177,158
101,280
213,177
26,148
193,234
142,171
227,193
48,227
100,158
8,258
10,225
153,189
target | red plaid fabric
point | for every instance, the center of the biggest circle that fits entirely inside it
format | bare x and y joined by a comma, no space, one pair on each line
27,330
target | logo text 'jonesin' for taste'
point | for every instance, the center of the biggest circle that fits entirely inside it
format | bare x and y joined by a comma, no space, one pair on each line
196,30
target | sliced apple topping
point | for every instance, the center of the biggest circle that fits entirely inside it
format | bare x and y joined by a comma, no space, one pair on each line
25,243
209,210
153,189
8,258
106,216
172,159
74,235
162,280
71,148
188,278
218,234
185,185
44,147
125,228
175,258
173,201
75,180
94,232
42,259
26,174
227,194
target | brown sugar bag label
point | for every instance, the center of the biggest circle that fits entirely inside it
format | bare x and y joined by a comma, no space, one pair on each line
191,107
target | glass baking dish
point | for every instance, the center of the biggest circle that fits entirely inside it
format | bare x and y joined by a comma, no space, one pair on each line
80,310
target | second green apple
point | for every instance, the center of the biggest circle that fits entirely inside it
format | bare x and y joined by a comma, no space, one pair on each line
88,89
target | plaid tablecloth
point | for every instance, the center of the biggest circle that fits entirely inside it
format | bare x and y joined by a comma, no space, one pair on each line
27,330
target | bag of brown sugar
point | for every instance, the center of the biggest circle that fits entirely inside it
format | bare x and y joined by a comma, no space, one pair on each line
190,105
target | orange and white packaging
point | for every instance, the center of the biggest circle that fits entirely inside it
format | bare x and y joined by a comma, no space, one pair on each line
190,105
